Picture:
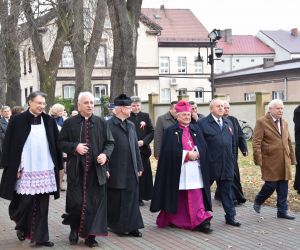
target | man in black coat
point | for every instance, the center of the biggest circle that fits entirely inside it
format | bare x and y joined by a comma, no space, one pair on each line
145,133
31,162
182,184
240,143
88,142
218,133
297,148
125,167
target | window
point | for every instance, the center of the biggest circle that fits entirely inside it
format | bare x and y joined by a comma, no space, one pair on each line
30,89
278,95
164,65
199,93
135,90
24,62
67,57
99,91
165,96
237,60
249,97
182,91
252,60
198,67
181,63
29,60
68,91
26,93
100,59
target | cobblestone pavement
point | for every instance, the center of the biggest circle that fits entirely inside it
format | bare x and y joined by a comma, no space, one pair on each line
258,231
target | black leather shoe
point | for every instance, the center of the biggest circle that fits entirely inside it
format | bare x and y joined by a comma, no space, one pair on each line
91,242
45,244
285,216
21,235
141,203
256,207
135,233
233,222
73,237
204,227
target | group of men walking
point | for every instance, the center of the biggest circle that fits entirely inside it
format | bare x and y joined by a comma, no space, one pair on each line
109,172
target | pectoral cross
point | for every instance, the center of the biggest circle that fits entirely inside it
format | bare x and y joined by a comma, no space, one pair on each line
189,142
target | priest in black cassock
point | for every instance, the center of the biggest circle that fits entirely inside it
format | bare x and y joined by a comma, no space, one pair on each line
88,142
145,133
31,162
125,167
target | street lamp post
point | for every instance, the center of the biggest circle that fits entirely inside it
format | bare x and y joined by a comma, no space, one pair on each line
213,36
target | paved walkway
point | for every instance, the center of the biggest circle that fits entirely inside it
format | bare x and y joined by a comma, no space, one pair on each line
262,231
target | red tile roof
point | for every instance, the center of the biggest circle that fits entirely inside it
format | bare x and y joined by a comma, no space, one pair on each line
179,25
244,44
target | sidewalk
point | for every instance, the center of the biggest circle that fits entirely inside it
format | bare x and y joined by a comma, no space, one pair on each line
262,231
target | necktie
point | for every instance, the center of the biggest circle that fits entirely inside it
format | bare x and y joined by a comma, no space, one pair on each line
277,122
219,123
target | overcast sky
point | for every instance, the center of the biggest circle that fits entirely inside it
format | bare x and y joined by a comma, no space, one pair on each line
244,17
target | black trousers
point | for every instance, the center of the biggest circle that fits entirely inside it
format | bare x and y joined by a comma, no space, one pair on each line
268,189
297,174
30,212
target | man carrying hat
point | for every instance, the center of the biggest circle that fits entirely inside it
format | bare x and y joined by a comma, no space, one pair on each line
125,167
182,186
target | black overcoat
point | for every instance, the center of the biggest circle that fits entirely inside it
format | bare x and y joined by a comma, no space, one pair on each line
101,141
15,137
117,164
221,146
145,133
165,193
296,120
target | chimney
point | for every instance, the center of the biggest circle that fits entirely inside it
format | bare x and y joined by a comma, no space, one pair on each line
294,32
162,7
227,35
268,62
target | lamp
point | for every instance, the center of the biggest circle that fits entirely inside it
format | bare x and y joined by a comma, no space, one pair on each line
213,36
199,57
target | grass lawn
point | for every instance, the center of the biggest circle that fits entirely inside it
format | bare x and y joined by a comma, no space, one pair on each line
252,182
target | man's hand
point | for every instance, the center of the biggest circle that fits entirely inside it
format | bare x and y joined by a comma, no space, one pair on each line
140,173
82,148
101,159
193,155
141,143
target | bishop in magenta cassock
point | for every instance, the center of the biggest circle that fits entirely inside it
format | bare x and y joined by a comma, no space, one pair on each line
182,187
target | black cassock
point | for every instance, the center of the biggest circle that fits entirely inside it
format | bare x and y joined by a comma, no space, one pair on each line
124,214
145,132
86,200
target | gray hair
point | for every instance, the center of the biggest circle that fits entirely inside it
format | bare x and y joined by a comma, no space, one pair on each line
3,108
135,99
83,94
35,94
274,103
213,101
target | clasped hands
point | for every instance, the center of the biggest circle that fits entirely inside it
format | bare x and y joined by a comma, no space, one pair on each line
82,149
193,155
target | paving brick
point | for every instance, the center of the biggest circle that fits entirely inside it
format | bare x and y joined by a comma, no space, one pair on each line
258,231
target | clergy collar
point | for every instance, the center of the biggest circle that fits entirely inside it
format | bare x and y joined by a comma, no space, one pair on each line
183,126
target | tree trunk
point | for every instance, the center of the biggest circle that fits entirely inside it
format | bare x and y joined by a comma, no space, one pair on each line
3,14
124,17
48,68
85,57
10,51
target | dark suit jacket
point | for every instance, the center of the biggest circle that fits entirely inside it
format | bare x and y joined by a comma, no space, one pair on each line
220,144
117,164
16,135
297,124
145,133
101,141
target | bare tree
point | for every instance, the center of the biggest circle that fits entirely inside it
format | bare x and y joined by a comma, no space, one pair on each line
47,68
124,17
85,45
9,51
